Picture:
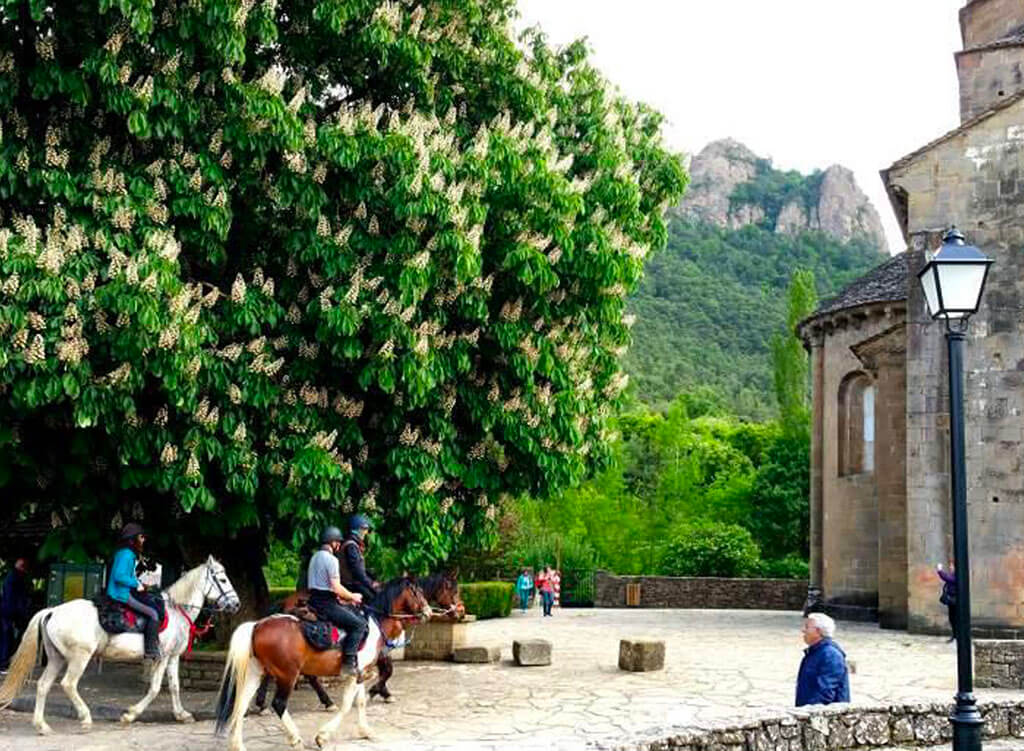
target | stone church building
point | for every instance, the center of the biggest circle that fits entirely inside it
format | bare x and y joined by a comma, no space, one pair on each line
880,501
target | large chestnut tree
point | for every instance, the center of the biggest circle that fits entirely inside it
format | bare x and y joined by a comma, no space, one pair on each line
266,263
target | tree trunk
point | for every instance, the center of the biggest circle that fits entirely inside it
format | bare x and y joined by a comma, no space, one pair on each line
243,558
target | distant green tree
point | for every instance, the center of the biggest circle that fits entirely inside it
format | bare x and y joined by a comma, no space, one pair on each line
789,360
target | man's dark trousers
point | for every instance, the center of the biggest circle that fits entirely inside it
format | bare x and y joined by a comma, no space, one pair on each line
327,607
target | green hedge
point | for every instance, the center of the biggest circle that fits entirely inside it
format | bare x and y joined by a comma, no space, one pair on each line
488,599
277,594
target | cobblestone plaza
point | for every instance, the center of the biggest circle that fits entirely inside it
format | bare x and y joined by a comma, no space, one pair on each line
719,665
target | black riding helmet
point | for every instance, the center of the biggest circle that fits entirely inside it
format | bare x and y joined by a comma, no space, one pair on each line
358,521
331,534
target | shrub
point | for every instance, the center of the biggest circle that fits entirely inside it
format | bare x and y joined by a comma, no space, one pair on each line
488,599
790,567
711,549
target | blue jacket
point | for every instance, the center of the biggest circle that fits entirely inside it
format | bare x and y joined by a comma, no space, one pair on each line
823,678
524,583
122,575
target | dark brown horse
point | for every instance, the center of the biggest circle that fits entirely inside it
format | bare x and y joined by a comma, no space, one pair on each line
440,589
276,646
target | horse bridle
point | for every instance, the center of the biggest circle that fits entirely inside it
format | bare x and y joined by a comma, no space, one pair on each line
398,616
219,605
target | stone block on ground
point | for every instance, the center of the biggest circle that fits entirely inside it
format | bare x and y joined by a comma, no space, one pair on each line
476,654
528,652
640,656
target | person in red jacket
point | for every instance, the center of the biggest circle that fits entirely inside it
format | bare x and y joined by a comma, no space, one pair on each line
546,588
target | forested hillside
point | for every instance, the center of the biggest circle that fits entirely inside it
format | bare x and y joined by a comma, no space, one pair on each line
711,300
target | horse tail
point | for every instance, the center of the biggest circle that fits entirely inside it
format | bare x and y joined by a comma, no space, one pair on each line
24,660
236,669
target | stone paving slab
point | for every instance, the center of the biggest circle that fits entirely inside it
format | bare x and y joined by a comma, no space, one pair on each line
719,666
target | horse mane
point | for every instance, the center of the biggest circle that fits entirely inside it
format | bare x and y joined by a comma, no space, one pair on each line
432,582
180,590
388,593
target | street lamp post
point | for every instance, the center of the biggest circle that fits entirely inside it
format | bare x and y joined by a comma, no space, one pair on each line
953,280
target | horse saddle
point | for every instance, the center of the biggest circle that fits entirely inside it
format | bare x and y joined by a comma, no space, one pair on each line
322,635
117,618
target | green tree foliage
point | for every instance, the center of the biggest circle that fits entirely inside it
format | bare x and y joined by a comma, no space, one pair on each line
265,263
669,474
708,306
773,189
711,549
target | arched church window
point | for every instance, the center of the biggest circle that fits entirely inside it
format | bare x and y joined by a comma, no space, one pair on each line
856,439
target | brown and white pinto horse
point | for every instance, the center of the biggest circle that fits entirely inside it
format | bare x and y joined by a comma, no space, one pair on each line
277,647
440,589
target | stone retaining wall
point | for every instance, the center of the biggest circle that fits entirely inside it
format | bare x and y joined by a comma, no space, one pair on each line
201,671
837,728
998,664
701,592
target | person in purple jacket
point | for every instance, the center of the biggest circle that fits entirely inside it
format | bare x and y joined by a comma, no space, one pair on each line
948,596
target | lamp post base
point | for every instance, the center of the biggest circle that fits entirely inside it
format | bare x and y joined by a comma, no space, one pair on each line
967,723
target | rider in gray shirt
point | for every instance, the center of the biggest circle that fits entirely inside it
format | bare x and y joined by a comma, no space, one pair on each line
326,595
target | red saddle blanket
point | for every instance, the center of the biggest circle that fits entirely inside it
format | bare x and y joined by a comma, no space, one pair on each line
135,621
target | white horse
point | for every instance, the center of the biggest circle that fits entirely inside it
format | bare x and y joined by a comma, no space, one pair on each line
71,634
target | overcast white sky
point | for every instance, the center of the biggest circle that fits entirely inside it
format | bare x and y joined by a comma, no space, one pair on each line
808,83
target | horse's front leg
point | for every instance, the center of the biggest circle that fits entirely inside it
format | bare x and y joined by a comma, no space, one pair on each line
348,693
385,667
180,714
154,688
362,726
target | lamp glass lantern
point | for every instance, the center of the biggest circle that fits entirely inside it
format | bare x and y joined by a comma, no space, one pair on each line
954,278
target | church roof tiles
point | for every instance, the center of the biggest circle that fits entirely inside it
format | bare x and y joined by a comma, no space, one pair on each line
884,283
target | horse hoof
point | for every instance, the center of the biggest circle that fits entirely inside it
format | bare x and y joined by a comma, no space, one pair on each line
185,717
365,733
331,708
322,740
296,743
86,725
44,729
389,699
127,718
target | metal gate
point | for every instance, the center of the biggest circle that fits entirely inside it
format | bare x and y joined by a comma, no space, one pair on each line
577,588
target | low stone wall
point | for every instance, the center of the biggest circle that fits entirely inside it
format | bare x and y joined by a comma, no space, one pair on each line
438,638
201,671
701,592
998,664
837,728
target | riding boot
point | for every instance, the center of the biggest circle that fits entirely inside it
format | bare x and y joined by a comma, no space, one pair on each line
349,665
152,641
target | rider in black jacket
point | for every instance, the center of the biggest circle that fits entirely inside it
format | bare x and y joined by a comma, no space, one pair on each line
354,575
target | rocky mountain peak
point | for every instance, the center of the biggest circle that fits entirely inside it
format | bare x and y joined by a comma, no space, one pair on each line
731,186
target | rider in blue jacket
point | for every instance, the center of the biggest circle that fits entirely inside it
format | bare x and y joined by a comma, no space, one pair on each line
124,585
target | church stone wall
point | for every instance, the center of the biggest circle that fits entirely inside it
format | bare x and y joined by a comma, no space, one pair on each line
976,180
850,502
986,21
885,357
986,76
